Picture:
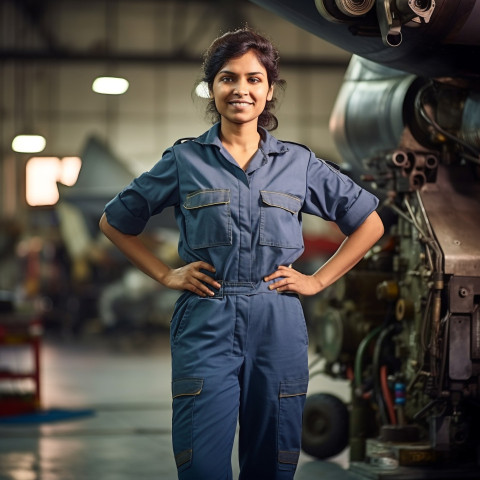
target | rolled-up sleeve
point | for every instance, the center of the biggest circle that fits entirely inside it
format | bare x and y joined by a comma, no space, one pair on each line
147,195
333,196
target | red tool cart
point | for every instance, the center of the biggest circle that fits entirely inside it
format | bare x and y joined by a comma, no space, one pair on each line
20,386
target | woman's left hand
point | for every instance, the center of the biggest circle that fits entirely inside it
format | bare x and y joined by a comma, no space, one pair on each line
291,280
350,252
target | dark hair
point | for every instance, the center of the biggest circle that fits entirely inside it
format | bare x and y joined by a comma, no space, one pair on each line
235,44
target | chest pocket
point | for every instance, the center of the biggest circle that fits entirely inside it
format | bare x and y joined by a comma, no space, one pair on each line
279,222
208,220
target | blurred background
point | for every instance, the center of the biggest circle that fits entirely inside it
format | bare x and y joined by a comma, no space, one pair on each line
80,329
95,143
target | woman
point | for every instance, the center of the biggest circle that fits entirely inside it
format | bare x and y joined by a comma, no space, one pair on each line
238,336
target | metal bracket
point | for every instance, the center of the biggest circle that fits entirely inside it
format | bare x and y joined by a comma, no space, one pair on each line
392,14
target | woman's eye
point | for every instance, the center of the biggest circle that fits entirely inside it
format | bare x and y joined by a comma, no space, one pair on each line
254,79
226,79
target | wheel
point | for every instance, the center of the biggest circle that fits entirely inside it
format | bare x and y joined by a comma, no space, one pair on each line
325,426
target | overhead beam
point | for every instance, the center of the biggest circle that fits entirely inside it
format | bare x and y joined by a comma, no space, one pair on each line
24,55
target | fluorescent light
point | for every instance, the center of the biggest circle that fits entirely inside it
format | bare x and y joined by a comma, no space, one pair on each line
202,90
28,143
110,85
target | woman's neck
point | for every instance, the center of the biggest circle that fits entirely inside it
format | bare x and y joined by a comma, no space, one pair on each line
240,136
241,141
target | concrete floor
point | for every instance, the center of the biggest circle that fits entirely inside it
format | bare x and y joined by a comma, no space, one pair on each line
123,383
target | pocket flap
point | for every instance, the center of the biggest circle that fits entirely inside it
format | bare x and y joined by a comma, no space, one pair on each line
288,202
288,457
293,388
204,198
187,386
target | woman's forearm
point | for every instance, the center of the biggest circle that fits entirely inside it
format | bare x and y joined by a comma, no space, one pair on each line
190,277
351,251
134,249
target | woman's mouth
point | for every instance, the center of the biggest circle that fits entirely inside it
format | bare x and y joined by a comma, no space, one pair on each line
240,104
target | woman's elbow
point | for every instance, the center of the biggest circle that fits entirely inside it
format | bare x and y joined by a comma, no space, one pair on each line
104,226
101,222
376,226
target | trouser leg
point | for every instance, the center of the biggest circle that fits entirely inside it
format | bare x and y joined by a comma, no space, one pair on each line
204,428
274,386
205,388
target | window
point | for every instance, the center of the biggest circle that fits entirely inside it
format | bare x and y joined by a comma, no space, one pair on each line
42,175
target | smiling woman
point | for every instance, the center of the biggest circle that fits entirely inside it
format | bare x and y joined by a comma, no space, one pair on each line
240,350
221,51
241,91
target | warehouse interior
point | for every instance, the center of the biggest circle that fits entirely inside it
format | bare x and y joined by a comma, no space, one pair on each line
84,354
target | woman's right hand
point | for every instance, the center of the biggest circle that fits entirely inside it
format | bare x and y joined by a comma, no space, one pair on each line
190,277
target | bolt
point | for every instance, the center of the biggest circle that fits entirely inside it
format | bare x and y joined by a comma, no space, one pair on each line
463,292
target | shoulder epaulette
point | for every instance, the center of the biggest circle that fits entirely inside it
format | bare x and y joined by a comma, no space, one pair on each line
183,140
298,144
333,165
329,163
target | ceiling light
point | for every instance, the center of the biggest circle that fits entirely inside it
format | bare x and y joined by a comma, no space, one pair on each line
110,85
28,143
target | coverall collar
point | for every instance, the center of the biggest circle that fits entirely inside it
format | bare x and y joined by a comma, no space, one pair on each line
268,143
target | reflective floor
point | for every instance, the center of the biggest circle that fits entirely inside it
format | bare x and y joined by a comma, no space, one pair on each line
120,389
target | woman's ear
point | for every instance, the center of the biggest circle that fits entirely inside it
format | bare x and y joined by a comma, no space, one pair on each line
270,94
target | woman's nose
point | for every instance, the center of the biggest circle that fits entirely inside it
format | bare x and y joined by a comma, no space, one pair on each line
240,89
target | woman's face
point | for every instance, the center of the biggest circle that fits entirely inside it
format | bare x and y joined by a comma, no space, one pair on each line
240,89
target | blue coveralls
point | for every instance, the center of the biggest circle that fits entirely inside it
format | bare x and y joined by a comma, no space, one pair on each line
243,353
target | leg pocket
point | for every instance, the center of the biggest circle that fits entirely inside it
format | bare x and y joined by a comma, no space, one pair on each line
302,325
180,316
184,393
292,399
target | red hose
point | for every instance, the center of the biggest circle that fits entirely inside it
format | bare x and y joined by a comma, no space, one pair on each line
387,395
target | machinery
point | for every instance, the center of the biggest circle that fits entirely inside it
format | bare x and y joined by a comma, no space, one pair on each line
404,326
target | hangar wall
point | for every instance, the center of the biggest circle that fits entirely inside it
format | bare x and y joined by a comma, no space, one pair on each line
50,52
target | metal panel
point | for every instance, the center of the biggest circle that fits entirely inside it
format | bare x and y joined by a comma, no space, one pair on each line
452,205
460,365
